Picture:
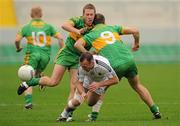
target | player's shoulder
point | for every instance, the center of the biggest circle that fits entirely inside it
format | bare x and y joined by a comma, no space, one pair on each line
101,59
80,70
76,18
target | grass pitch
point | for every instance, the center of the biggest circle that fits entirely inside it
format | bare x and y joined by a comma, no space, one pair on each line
121,107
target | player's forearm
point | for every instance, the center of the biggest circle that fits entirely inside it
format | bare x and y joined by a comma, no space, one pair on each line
17,44
61,43
80,46
80,88
136,37
109,82
70,28
18,48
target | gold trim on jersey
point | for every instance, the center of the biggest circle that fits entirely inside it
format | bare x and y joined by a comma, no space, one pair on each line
37,23
41,40
26,58
99,43
75,36
57,34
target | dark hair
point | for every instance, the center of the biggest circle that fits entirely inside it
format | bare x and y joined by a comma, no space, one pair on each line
86,56
99,19
89,6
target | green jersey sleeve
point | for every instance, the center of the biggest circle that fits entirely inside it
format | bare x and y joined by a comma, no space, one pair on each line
75,20
78,22
54,30
119,29
21,31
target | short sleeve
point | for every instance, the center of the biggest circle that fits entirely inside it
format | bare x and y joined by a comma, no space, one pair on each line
119,29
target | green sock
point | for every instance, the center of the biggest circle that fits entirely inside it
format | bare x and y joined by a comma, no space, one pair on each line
154,108
94,115
33,82
28,99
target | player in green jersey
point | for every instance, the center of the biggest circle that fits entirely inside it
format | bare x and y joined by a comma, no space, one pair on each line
38,34
68,57
107,42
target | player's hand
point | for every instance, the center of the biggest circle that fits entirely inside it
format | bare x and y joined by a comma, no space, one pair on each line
18,50
83,30
84,96
94,52
135,47
93,86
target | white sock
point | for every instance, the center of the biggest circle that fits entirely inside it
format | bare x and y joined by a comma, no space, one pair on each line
64,114
97,106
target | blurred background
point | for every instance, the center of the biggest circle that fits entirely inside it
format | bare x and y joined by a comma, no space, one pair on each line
158,21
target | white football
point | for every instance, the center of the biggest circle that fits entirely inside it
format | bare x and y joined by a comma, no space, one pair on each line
26,72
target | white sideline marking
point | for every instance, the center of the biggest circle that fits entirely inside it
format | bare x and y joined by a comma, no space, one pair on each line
125,103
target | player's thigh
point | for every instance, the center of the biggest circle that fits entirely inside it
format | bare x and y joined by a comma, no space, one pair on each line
58,72
134,81
92,98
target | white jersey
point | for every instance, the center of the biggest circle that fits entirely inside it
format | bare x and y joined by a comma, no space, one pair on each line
102,71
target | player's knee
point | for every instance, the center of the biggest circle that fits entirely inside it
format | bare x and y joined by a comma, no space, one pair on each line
54,82
73,103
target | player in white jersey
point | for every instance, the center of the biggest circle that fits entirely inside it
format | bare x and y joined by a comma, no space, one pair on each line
95,75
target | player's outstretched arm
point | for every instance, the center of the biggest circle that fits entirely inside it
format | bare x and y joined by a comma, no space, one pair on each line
135,32
69,26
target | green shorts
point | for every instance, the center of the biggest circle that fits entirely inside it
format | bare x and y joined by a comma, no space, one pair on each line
128,70
37,59
67,58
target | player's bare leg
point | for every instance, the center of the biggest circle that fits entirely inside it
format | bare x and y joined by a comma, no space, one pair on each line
56,76
95,101
73,76
95,109
52,81
144,95
73,103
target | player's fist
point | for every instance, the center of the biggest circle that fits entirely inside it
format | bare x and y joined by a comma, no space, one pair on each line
93,86
135,47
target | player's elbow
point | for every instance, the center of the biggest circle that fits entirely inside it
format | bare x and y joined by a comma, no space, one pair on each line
116,80
63,26
135,30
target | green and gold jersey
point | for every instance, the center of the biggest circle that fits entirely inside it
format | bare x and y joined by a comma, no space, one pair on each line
78,23
38,35
107,42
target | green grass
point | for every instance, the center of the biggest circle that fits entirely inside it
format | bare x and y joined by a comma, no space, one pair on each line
122,106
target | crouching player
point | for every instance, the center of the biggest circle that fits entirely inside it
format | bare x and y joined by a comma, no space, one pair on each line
95,75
